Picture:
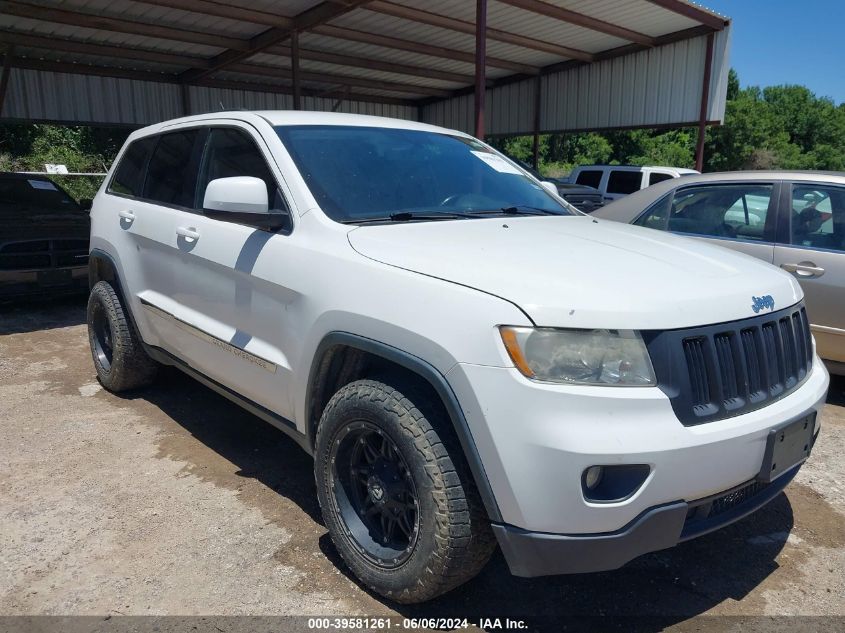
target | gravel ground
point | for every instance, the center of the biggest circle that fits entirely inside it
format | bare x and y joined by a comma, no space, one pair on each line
174,501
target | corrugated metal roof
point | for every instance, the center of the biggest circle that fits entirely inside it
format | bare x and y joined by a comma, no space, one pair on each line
659,85
347,47
158,15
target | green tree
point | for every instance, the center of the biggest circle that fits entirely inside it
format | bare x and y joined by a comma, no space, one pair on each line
28,147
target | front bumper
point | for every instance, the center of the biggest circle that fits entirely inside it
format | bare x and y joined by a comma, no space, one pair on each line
43,283
539,554
535,441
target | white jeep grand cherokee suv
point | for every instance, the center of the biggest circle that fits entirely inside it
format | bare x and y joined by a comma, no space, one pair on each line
468,359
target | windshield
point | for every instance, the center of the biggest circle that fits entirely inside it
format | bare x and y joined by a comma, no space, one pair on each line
33,195
371,173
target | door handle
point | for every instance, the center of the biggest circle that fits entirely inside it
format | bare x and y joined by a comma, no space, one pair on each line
804,269
126,215
191,235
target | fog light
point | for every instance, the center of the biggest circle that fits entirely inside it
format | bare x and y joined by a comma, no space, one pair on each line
592,476
613,483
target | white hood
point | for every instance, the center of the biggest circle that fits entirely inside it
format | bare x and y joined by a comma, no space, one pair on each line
585,273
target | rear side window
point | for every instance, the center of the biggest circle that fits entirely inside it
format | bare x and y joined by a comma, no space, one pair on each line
172,173
231,152
725,210
128,179
656,215
818,216
590,177
624,182
656,177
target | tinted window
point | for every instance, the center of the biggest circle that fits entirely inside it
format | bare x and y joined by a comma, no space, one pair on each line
172,173
356,173
738,211
31,195
818,216
590,177
656,177
655,216
231,152
625,182
128,178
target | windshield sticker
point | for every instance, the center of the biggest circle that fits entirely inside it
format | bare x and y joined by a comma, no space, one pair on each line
497,162
42,184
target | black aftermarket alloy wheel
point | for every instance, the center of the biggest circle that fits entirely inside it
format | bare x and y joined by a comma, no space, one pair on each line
102,345
395,492
375,494
119,357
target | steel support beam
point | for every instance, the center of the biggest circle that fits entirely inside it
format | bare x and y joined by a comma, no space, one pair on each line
353,35
538,87
222,10
480,65
579,19
4,77
370,64
693,12
338,80
305,21
294,70
186,100
91,20
462,26
55,44
705,101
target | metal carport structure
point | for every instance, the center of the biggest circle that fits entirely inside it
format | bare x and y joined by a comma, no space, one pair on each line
491,67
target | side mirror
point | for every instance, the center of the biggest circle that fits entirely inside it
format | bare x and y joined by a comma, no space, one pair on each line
550,187
243,200
238,194
85,204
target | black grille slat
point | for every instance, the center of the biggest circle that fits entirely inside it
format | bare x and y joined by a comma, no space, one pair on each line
693,348
33,246
800,344
807,337
774,358
753,369
790,352
735,498
74,245
44,254
731,389
732,368
25,261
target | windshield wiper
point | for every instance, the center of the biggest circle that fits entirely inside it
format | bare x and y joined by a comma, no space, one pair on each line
409,216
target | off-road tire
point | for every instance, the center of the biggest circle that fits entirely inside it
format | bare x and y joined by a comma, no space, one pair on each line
129,366
454,540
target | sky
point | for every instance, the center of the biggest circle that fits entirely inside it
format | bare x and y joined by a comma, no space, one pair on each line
786,42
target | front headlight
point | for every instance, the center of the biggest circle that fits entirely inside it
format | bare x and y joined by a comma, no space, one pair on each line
583,357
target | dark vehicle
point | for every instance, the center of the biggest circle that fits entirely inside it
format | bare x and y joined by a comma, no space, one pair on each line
582,197
43,238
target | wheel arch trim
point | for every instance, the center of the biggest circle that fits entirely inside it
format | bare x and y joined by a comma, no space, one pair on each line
425,371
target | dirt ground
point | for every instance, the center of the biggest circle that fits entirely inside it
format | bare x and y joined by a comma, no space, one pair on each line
174,501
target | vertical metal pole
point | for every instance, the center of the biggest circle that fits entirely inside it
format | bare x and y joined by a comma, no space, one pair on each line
480,65
537,100
294,63
186,100
4,78
705,99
